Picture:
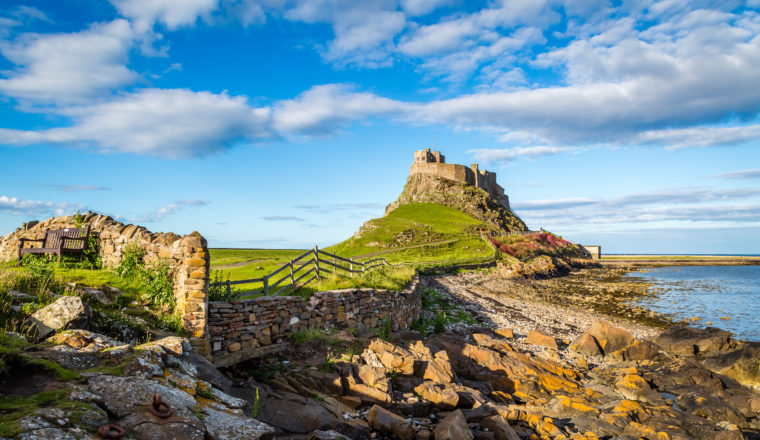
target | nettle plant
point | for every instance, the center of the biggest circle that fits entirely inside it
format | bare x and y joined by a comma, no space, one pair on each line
154,280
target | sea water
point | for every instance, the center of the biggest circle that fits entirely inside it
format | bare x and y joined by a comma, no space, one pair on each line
726,296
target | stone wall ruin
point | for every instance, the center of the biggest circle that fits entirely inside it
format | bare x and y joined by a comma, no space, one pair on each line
186,256
245,329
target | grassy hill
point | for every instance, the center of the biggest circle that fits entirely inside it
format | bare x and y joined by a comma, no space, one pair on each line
419,232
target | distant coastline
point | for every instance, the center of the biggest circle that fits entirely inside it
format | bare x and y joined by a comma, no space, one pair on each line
658,260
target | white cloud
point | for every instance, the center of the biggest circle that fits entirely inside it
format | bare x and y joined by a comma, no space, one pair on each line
745,174
30,208
164,211
422,7
680,206
170,123
322,109
171,13
66,68
700,136
497,155
363,31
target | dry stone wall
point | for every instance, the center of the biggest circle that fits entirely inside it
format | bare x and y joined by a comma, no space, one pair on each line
246,329
186,256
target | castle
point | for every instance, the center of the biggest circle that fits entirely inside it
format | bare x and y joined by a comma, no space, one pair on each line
433,163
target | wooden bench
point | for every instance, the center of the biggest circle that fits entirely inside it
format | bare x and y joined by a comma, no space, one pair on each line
57,241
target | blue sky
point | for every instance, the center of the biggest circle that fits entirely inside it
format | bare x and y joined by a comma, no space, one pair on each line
275,123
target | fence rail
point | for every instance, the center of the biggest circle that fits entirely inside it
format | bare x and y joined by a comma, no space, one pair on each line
295,272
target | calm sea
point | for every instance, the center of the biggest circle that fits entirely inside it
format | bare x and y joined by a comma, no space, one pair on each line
713,293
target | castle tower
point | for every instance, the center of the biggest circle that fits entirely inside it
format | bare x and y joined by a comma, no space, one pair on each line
427,156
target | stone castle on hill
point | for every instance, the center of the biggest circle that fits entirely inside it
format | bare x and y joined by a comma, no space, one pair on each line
433,163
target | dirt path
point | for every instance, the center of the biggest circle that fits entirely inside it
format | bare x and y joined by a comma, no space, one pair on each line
238,264
388,251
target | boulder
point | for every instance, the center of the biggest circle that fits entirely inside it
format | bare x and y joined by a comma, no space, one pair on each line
536,337
608,337
67,312
393,357
224,425
438,369
443,397
389,423
743,364
453,427
691,341
505,333
586,345
142,425
373,376
500,427
293,413
638,351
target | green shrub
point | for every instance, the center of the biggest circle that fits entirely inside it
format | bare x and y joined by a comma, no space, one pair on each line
131,262
218,291
155,281
159,286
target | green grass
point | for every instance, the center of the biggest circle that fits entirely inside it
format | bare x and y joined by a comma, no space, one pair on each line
420,232
222,257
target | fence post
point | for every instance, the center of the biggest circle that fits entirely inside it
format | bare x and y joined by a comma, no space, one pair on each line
292,279
316,260
351,267
266,285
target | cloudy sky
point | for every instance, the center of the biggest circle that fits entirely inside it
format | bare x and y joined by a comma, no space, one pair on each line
288,123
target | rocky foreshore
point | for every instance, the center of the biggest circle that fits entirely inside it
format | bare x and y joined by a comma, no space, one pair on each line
533,361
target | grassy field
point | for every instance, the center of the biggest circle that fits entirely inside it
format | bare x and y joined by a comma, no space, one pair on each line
224,257
423,234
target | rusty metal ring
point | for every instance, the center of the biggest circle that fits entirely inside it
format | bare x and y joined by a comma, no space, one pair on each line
157,405
111,431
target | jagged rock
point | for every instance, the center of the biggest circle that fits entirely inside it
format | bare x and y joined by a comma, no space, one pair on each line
453,427
608,337
84,340
386,422
691,341
638,351
393,357
500,427
435,368
742,364
586,345
505,333
373,376
441,396
21,296
67,312
367,394
142,425
536,337
122,396
171,344
98,295
223,425
711,408
149,362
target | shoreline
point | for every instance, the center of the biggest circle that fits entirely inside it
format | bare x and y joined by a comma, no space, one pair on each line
677,260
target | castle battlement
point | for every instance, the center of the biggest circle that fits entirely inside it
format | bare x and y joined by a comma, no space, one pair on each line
433,163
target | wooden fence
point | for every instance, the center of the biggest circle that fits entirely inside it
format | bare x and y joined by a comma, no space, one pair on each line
296,270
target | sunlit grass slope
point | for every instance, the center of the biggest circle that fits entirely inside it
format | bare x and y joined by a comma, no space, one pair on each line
419,232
